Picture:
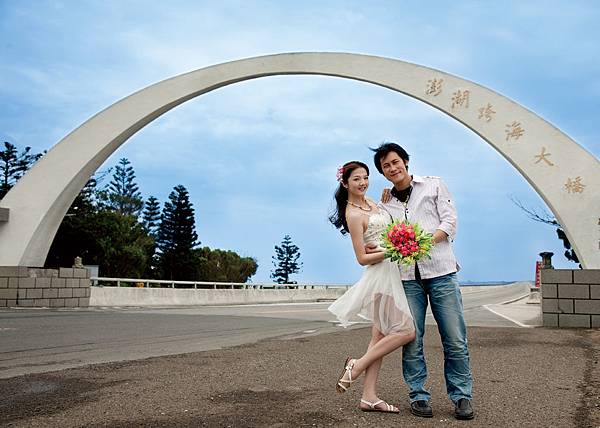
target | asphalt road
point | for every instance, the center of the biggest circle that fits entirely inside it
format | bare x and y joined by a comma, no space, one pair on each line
523,377
42,340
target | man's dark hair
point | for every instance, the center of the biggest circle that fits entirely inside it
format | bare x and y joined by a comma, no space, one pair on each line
386,148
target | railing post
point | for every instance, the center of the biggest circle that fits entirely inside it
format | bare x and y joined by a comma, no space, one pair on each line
118,283
172,285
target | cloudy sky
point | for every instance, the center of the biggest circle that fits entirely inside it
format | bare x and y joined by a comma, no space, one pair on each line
259,157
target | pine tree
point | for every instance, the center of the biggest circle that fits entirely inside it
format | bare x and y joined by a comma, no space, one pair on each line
84,203
151,221
13,165
151,215
285,261
123,194
177,236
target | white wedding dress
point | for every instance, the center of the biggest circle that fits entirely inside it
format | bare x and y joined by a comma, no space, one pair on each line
378,296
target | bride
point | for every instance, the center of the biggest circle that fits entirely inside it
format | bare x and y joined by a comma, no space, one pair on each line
378,296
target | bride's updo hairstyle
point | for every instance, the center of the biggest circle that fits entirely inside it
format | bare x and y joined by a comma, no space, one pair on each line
338,217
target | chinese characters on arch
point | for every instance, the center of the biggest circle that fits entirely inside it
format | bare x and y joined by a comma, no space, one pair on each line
460,99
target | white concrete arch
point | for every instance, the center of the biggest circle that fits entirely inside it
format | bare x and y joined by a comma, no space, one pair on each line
565,175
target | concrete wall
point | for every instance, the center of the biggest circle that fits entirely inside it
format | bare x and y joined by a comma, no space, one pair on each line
130,296
571,298
31,287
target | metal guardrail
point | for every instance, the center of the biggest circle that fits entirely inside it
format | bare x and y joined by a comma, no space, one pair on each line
159,283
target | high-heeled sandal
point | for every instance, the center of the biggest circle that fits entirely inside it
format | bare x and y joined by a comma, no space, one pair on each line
348,366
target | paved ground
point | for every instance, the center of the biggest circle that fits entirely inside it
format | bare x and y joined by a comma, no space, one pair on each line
523,376
533,377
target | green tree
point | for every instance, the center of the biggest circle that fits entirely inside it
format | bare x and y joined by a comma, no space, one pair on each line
223,266
151,215
85,202
118,243
285,261
151,221
123,243
13,165
74,236
177,237
122,194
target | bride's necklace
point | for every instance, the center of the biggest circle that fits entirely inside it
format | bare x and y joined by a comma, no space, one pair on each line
360,207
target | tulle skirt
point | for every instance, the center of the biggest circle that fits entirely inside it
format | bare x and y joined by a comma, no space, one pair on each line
379,297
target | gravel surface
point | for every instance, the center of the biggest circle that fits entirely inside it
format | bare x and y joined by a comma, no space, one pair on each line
523,377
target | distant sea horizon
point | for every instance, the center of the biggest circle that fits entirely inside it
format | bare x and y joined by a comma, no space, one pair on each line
471,283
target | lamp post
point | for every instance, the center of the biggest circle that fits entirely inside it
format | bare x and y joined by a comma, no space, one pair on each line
547,260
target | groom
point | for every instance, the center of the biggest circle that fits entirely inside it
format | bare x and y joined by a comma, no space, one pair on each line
426,200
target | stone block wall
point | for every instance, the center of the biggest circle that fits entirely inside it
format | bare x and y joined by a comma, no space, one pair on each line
571,298
32,287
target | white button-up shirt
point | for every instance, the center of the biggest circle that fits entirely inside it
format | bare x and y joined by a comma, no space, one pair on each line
431,206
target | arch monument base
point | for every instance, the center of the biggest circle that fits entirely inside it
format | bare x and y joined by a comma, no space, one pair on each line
571,298
22,286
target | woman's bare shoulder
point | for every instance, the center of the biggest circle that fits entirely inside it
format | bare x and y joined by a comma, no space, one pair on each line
354,215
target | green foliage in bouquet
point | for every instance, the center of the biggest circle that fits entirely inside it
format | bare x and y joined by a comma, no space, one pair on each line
406,242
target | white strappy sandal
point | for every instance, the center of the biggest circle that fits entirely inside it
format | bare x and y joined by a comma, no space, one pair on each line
388,407
348,366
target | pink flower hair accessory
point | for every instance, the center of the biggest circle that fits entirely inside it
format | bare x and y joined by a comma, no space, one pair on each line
339,174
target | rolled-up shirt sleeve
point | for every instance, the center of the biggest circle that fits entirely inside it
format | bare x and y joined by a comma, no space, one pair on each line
446,211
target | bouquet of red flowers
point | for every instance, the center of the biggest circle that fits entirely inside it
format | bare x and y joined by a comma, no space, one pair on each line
406,243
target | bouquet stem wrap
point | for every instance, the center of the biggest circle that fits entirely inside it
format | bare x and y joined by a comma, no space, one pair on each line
406,242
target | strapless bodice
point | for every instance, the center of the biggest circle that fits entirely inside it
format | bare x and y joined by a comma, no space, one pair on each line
377,224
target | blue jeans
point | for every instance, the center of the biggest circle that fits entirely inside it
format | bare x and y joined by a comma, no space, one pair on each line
446,305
